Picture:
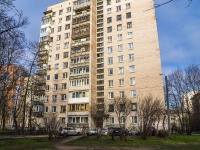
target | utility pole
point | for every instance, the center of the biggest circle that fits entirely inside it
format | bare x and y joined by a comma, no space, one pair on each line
168,110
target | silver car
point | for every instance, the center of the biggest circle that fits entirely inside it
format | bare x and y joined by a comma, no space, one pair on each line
69,131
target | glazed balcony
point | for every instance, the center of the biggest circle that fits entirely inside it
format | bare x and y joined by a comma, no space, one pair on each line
79,43
81,19
79,64
81,5
80,33
38,114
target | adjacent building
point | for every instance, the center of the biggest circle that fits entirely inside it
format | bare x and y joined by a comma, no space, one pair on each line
94,50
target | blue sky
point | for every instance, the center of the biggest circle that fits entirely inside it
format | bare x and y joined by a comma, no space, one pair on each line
178,29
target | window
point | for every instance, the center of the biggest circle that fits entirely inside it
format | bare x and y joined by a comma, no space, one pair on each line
134,119
59,28
123,120
60,20
47,88
118,8
134,106
52,30
130,46
133,93
60,12
68,18
65,54
129,25
117,1
110,50
68,9
110,95
110,83
109,29
132,81
64,86
132,68
57,56
48,77
109,10
110,60
131,57
64,75
119,37
55,87
58,47
112,121
67,26
55,76
121,93
119,17
119,27
128,5
65,65
108,2
46,109
63,97
128,15
130,35
58,37
110,71
111,108
67,35
121,82
119,47
121,70
109,39
120,59
109,20
54,109
66,45
49,58
57,66
54,99
54,14
62,109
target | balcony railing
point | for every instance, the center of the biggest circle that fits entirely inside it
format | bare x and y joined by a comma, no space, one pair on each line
81,34
80,43
81,14
81,6
41,72
79,64
38,114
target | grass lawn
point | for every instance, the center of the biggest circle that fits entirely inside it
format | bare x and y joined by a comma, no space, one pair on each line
26,144
174,142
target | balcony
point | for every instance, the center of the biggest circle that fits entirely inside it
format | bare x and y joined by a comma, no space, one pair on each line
38,114
41,72
43,52
38,103
81,5
84,13
78,125
81,42
42,43
80,34
79,76
79,65
81,19
42,61
48,12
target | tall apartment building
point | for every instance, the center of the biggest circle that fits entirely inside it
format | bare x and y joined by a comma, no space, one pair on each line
94,50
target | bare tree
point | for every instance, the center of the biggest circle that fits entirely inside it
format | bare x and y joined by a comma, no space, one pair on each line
99,113
150,111
52,124
183,84
122,108
196,110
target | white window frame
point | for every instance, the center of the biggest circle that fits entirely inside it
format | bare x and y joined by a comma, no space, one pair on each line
133,93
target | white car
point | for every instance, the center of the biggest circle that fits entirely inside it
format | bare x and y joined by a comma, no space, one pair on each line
69,131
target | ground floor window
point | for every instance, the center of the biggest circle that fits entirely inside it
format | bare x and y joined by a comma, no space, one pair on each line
77,119
134,119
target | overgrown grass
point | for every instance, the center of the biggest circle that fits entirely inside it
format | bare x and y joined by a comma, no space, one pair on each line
181,142
26,144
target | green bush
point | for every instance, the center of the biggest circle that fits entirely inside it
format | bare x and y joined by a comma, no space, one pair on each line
162,133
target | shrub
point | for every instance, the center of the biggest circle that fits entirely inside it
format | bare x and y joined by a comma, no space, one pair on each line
162,133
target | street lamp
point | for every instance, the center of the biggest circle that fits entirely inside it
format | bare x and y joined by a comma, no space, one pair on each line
167,100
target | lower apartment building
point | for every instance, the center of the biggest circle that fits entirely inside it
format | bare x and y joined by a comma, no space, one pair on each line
93,51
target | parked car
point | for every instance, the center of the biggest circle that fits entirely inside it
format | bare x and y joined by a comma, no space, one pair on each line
116,131
133,132
69,131
104,131
92,132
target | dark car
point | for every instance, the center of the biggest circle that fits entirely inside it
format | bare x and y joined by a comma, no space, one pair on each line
117,131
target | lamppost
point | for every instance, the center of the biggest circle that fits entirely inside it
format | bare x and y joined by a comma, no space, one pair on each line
167,100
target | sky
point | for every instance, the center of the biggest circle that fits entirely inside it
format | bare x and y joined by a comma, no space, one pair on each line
178,29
